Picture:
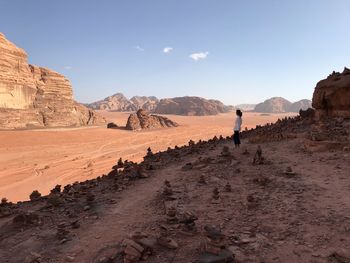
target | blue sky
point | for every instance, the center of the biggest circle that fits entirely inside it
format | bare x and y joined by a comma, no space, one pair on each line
242,51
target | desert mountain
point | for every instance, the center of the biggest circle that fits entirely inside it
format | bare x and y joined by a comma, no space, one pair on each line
191,106
32,96
145,103
279,104
246,107
116,102
179,106
300,105
142,120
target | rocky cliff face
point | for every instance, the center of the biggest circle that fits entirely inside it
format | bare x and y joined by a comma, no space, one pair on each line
191,106
331,97
142,120
32,96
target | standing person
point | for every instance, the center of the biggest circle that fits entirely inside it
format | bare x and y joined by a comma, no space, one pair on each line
237,128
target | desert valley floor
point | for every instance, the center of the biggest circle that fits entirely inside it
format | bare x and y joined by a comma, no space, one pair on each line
41,159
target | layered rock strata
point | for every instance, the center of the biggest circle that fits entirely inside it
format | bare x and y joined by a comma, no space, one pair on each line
34,97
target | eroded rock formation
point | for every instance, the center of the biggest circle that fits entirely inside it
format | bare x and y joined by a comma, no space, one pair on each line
32,96
332,95
143,120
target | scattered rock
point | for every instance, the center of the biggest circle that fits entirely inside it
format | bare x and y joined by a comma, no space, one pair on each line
112,125
35,196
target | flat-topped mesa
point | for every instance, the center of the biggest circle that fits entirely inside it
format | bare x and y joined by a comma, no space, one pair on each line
332,96
34,97
142,120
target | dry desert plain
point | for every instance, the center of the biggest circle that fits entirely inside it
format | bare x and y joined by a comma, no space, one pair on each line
40,159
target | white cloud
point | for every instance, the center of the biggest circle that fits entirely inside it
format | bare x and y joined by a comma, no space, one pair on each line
139,48
167,49
198,56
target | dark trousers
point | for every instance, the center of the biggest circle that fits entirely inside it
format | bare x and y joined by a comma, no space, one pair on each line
236,138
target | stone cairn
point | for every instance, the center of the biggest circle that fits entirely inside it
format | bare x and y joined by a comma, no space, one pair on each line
213,246
216,194
258,158
187,220
228,187
225,152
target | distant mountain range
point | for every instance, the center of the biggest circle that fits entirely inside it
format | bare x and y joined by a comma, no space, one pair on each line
188,106
193,106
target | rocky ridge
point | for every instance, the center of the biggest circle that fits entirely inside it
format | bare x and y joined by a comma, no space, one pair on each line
36,97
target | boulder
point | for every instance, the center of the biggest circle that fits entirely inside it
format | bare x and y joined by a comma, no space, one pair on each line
143,120
331,97
34,97
112,125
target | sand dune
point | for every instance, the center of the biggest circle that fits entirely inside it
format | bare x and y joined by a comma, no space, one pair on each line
41,159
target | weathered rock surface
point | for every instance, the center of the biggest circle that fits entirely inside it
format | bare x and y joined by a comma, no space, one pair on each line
332,95
143,120
191,106
32,96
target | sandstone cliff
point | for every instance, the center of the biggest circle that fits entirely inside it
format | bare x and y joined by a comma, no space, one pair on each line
32,96
142,120
332,95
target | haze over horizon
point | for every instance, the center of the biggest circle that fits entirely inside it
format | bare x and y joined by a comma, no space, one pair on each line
234,51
